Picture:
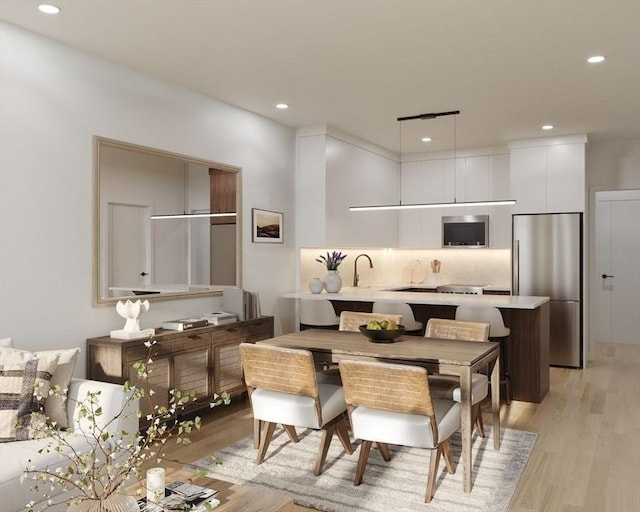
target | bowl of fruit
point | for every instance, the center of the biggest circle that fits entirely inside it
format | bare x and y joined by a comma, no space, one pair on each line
382,331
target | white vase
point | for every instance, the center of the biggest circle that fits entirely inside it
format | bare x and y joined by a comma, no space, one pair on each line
332,281
115,502
316,285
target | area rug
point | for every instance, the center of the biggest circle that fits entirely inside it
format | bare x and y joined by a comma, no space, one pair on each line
397,485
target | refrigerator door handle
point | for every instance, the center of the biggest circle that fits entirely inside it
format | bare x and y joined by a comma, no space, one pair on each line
516,268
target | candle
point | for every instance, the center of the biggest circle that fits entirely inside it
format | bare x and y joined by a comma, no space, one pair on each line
155,484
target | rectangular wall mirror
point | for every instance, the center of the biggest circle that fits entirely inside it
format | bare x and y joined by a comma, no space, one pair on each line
136,254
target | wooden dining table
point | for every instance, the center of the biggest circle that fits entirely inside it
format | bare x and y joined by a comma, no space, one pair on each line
449,357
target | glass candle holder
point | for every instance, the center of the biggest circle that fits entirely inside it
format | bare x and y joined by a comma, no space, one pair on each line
155,484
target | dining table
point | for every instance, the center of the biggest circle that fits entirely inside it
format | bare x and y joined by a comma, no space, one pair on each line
448,357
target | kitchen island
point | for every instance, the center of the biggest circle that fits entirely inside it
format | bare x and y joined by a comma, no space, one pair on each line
526,316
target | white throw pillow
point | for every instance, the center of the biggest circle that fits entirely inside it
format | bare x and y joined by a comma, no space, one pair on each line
55,407
24,386
6,342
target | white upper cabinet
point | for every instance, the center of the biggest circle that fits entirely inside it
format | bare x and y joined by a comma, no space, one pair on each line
477,178
357,177
529,179
499,188
566,178
548,178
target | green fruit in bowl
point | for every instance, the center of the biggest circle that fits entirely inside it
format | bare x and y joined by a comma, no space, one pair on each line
374,325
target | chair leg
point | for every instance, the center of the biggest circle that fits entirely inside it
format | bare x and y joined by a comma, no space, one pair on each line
433,473
257,427
327,434
343,435
265,439
476,418
384,451
291,432
365,448
446,455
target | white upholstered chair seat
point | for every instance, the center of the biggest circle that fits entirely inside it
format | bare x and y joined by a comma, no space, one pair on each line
392,404
298,410
448,387
404,428
284,389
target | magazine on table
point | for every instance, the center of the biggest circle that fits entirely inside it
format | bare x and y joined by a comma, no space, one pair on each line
177,494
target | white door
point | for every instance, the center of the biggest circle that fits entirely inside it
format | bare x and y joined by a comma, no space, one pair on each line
129,258
618,266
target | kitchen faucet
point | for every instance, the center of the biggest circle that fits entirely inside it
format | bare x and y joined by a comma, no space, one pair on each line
356,278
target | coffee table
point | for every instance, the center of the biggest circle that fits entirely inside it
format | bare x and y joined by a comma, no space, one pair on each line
235,497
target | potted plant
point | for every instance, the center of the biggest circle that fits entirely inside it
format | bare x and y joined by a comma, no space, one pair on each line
94,479
332,281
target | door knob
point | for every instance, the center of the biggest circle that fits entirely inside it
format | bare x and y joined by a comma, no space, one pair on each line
143,274
604,276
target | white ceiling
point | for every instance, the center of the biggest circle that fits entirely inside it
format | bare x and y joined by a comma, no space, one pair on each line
357,65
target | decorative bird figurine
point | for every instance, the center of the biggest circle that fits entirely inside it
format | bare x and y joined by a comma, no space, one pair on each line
132,311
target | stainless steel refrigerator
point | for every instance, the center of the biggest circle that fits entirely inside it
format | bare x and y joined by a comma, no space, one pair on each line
547,261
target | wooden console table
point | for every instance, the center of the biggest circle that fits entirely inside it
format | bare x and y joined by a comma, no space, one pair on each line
204,359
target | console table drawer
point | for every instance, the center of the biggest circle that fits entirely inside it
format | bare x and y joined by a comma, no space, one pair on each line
191,341
135,353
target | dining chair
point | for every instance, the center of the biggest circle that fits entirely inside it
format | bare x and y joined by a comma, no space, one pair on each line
408,318
352,320
497,331
392,404
283,389
448,386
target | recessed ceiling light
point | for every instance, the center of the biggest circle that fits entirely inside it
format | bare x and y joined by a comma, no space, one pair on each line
547,127
595,59
49,9
282,106
426,139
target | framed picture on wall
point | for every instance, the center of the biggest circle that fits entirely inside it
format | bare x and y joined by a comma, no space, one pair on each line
266,226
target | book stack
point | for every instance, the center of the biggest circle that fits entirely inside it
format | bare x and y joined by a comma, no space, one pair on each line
242,303
183,324
220,318
182,496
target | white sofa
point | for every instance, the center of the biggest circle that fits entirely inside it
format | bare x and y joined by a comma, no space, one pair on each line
15,455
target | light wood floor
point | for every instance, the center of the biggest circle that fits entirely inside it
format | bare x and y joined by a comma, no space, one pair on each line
587,456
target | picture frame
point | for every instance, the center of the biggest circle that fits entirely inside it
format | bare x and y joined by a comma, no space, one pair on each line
266,226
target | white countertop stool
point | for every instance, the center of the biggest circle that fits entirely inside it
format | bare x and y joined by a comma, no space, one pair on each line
497,332
318,313
408,319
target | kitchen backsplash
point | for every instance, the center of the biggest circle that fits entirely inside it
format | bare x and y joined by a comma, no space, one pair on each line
406,266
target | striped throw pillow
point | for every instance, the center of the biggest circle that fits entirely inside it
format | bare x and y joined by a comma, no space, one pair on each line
24,386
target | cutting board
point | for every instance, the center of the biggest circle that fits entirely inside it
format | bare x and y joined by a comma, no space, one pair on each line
418,272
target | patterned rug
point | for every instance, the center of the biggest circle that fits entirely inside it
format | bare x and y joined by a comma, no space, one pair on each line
398,485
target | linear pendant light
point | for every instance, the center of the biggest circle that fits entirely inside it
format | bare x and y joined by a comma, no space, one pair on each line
416,206
186,215
429,205
193,215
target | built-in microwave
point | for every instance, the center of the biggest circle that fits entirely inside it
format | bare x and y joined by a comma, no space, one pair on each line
468,231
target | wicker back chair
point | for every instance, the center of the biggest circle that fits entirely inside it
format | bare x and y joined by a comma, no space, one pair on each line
457,330
283,389
351,320
392,404
447,386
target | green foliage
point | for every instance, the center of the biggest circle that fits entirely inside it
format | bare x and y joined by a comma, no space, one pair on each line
115,456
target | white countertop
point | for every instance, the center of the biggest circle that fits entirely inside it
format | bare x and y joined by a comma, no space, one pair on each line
386,294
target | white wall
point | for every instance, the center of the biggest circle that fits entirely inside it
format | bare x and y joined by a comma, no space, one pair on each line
53,100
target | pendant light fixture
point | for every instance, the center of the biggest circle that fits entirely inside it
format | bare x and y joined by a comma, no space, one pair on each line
192,215
415,206
184,214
